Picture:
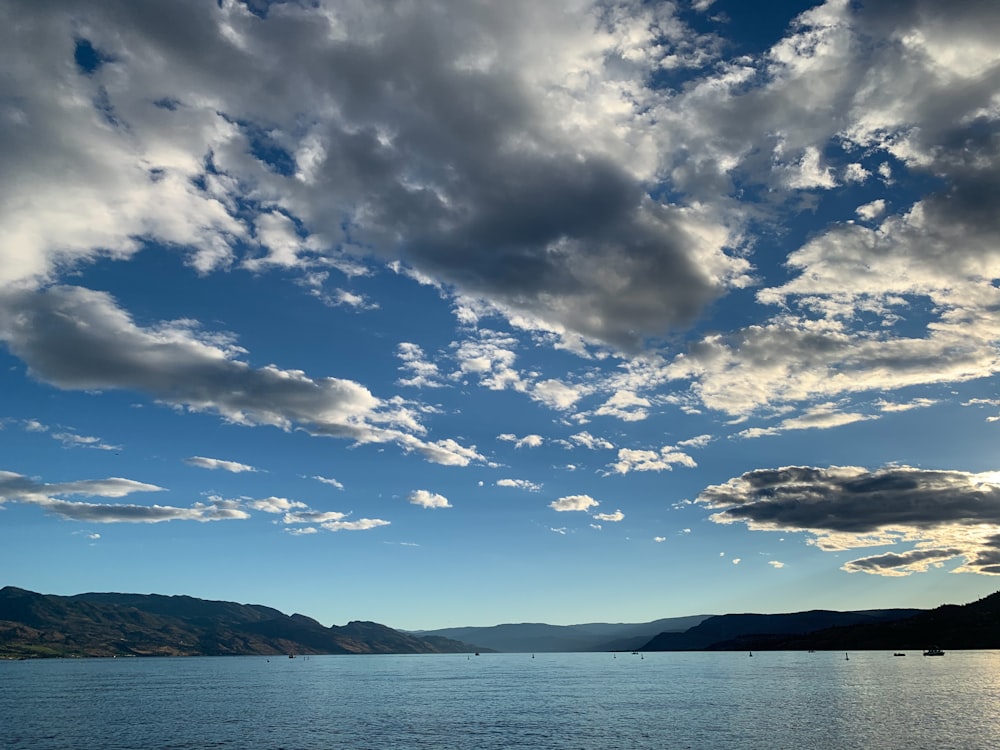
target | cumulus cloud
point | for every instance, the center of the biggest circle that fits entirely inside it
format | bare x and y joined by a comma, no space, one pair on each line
448,127
649,460
574,502
426,499
217,463
528,441
939,515
422,373
587,440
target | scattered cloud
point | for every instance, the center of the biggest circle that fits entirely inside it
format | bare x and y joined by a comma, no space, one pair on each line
72,440
586,440
819,417
649,460
521,484
610,517
574,502
275,505
528,441
426,499
217,463
328,480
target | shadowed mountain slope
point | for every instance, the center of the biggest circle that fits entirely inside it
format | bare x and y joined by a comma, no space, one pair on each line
108,624
732,627
970,626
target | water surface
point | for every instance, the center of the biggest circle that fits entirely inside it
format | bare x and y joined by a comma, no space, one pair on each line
770,701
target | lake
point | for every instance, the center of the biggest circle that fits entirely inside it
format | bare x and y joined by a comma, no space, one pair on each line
770,701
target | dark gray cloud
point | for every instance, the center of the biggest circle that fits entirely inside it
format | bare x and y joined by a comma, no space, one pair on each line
472,142
121,513
847,499
22,489
947,513
76,338
17,487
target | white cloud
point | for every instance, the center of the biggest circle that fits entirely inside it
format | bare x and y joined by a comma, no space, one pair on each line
217,463
275,504
624,405
301,531
72,440
528,441
871,211
521,484
574,502
610,517
558,395
659,539
362,524
330,481
423,374
819,417
587,440
775,564
427,499
649,460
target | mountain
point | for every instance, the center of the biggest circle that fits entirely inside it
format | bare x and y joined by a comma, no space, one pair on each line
538,637
970,626
734,629
108,624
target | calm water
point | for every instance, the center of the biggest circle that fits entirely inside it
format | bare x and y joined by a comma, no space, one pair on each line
581,701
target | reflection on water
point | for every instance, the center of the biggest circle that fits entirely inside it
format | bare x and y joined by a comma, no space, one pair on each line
781,700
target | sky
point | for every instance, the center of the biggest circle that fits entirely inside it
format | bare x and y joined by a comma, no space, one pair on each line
454,312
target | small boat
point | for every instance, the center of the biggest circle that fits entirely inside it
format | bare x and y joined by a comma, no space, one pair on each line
933,651
291,656
899,654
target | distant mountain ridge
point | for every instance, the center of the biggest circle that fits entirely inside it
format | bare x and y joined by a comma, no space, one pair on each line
711,633
109,624
532,637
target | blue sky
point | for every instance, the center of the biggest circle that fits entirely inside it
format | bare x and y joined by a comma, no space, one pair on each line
459,313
